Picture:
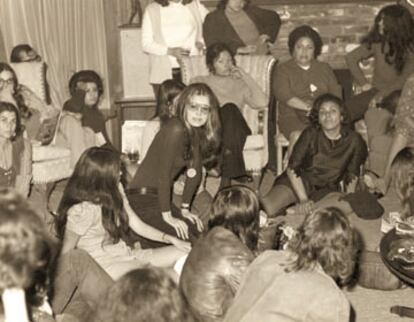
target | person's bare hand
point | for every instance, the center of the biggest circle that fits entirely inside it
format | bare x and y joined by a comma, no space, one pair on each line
366,87
178,52
181,228
375,100
193,218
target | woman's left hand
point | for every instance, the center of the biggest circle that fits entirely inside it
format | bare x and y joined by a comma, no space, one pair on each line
180,244
193,218
237,72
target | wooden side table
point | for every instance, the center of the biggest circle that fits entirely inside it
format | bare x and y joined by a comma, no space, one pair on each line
136,108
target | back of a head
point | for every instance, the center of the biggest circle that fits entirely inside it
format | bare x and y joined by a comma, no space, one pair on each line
212,273
327,238
26,249
145,294
236,208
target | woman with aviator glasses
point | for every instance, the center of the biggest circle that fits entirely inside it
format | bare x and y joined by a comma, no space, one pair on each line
186,142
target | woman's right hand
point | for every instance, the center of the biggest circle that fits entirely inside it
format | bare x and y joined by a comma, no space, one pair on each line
178,52
181,228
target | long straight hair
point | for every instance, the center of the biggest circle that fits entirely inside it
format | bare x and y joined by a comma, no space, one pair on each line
95,179
209,134
397,39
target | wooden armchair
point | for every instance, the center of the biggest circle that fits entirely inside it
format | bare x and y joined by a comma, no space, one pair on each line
259,67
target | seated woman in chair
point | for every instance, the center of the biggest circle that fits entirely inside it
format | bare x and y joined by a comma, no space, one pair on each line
71,134
234,88
15,151
300,80
35,114
242,26
326,153
91,83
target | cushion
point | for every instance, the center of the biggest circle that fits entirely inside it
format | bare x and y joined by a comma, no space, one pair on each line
212,273
32,75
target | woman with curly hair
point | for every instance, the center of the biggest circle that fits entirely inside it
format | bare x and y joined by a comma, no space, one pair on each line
300,80
326,153
301,283
184,144
26,256
391,44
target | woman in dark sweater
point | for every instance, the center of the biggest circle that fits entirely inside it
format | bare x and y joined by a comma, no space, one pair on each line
244,28
186,142
327,153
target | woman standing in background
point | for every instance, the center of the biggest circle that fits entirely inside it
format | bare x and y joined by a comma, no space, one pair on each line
171,29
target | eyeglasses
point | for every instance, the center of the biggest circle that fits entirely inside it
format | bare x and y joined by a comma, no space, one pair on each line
204,109
6,81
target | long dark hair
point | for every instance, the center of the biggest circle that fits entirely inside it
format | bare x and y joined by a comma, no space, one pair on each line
9,107
398,36
168,91
209,134
236,208
95,179
17,95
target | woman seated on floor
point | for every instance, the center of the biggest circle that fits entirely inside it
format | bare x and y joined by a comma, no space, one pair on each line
242,26
234,88
38,118
184,145
300,284
327,153
213,270
94,215
300,80
166,109
15,151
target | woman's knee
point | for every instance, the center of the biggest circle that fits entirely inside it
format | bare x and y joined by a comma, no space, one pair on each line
279,197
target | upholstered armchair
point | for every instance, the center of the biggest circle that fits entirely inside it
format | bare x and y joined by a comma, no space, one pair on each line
259,67
50,162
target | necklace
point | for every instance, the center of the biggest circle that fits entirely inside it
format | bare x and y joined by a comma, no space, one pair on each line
6,156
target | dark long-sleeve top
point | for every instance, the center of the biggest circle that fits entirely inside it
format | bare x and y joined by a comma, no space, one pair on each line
217,27
290,80
322,162
165,161
385,77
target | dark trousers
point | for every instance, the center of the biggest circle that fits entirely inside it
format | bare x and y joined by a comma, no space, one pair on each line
357,105
234,133
146,206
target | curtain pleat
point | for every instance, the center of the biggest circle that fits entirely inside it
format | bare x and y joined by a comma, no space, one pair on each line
68,34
